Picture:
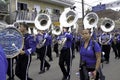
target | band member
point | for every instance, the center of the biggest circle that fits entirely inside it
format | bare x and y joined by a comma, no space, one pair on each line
66,54
114,44
118,43
42,40
3,64
24,58
90,56
105,41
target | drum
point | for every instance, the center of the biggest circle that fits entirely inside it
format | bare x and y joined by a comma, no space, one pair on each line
12,41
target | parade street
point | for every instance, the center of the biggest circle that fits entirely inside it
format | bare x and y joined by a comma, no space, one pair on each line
111,70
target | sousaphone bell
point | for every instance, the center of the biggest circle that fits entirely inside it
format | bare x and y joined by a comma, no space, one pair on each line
107,25
42,21
90,20
68,18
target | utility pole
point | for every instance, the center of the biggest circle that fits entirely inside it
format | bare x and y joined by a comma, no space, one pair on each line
82,12
10,10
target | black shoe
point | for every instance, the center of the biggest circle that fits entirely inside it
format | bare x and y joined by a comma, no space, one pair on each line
64,78
51,60
29,78
48,68
73,56
68,77
41,72
115,57
107,62
57,55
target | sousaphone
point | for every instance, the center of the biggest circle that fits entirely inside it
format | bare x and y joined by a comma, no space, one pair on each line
68,18
107,25
90,20
42,21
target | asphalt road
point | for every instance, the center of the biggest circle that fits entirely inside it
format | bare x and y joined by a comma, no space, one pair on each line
111,70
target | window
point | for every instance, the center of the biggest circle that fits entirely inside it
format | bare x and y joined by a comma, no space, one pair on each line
56,11
22,6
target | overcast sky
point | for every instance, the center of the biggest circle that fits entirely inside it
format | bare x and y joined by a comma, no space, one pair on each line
90,3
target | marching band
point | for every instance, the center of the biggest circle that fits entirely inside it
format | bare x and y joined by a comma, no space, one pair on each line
65,42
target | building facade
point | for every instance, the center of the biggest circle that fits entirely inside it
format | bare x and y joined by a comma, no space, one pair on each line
52,7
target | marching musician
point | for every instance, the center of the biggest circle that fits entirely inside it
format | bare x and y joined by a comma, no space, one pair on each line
3,64
66,54
118,43
105,41
114,44
90,56
24,58
10,70
42,40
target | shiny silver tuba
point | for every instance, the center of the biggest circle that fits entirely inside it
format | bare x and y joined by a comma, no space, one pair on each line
90,20
56,30
107,25
42,21
67,19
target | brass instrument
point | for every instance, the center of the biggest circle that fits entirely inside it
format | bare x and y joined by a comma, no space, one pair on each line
107,25
42,21
68,19
90,20
56,30
61,43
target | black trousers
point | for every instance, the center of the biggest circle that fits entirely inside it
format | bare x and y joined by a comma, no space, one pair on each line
65,61
73,50
114,47
118,49
22,66
42,52
10,70
91,70
84,73
49,52
56,49
106,49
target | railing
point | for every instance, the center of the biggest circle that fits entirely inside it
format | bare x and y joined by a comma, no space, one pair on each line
25,16
30,16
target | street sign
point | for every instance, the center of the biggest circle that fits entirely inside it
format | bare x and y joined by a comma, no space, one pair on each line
99,7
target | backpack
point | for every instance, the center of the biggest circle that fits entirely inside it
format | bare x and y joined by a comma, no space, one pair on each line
102,53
